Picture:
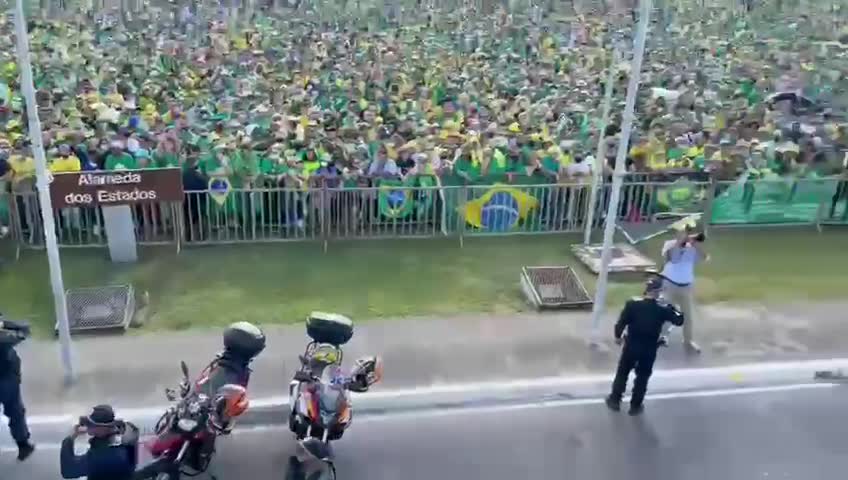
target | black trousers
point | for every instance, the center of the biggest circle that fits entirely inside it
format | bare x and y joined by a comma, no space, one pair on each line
13,408
641,360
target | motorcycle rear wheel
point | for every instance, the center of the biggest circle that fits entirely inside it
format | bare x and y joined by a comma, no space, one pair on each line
160,469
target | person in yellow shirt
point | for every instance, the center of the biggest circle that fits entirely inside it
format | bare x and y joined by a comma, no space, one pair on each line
23,171
65,161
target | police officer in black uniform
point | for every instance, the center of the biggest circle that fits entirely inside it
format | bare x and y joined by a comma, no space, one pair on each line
11,334
112,452
643,319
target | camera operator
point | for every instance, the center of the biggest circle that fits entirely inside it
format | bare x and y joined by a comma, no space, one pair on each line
11,334
681,255
112,452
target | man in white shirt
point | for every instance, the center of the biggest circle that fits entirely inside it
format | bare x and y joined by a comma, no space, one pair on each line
383,166
681,255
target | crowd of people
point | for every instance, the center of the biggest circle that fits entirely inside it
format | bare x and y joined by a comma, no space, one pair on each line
465,96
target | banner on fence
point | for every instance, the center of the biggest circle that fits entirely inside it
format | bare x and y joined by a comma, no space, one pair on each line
87,189
219,189
400,199
681,197
499,209
786,199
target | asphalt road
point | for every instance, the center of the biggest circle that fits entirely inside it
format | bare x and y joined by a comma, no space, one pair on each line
770,433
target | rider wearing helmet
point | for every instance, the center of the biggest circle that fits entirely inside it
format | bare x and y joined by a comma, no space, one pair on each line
243,341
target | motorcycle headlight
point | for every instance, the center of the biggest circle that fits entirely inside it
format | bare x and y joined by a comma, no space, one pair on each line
195,406
187,424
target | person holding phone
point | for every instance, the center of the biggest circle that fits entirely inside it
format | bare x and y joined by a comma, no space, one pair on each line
112,452
639,330
681,256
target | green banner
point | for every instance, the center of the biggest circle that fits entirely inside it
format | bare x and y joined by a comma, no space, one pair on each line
773,200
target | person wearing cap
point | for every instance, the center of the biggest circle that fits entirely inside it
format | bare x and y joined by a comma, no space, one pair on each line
681,255
639,329
112,452
11,401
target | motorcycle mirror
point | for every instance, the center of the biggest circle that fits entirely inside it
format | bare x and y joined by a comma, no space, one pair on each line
184,368
170,394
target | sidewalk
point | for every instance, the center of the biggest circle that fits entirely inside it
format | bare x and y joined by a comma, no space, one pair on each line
132,371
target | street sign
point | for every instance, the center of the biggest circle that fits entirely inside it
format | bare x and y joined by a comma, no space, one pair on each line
110,188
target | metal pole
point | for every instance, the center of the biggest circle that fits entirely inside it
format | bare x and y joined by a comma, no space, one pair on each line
43,183
600,155
618,175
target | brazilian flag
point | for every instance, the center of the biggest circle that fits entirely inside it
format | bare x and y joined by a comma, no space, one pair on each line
501,208
398,199
680,196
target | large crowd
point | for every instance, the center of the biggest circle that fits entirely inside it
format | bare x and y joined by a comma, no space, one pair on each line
467,97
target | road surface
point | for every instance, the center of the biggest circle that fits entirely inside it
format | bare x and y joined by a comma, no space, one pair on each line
770,432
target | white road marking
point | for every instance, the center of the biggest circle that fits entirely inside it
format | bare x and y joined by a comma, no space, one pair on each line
732,373
39,447
593,401
724,392
258,429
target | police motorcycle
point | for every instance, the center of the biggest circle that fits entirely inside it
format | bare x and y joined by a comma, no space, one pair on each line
319,392
185,435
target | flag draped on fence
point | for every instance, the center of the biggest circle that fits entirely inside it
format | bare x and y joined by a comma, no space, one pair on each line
499,209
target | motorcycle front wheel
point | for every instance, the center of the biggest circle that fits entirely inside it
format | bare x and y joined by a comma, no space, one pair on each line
301,471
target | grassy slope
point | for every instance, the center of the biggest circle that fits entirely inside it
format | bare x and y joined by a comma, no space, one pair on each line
281,283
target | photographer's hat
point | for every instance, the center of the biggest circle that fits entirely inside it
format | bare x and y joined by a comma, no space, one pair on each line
102,416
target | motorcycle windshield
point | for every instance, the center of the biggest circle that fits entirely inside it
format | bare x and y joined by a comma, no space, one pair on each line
331,399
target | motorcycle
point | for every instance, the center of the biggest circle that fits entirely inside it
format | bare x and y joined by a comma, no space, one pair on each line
319,393
185,435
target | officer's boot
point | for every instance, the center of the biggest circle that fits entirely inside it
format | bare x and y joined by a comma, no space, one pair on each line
25,449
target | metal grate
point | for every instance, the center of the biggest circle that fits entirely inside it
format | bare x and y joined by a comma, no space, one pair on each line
554,288
100,308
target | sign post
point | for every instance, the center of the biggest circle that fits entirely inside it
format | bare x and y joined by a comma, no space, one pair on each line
600,156
50,241
618,175
116,192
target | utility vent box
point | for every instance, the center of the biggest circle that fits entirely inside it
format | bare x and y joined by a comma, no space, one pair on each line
554,288
95,309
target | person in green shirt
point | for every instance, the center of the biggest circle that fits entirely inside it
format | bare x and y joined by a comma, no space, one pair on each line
143,160
165,155
466,167
118,159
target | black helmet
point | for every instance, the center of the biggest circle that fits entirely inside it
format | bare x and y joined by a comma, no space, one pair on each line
653,284
244,339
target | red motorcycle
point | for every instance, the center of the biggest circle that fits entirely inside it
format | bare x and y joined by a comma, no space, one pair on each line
185,435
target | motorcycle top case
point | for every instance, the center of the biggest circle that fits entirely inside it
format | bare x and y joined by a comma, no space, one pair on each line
329,328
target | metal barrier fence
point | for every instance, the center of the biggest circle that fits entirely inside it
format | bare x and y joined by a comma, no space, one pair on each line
272,215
